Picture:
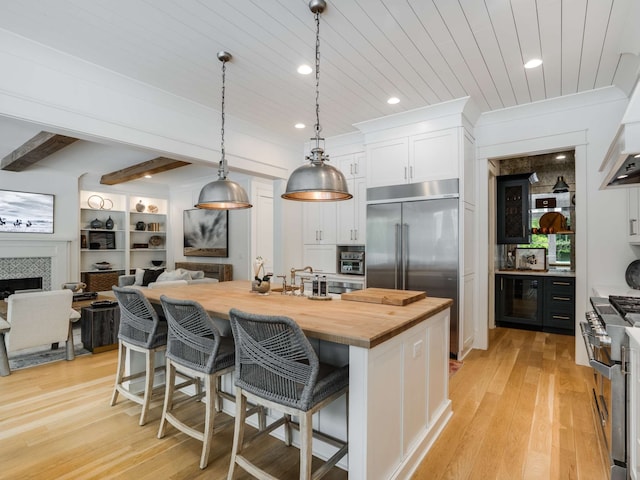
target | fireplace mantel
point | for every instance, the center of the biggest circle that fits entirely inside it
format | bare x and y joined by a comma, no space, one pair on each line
58,251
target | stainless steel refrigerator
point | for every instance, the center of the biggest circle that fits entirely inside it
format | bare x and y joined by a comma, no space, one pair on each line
412,241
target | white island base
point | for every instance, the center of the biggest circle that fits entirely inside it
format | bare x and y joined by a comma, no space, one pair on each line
398,400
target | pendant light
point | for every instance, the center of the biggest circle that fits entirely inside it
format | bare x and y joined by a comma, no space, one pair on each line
223,194
560,186
317,181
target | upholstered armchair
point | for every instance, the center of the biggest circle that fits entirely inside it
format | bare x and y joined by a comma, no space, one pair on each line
35,319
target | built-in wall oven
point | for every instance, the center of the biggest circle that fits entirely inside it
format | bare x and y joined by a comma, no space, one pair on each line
607,345
352,263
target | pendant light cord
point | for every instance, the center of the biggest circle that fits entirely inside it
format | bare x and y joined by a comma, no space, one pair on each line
222,169
317,126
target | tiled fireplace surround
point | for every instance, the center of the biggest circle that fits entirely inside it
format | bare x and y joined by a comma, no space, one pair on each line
24,259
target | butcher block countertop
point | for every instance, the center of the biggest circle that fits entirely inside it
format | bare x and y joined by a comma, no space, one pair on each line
351,323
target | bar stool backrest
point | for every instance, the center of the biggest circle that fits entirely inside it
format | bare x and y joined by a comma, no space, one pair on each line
193,338
139,322
274,359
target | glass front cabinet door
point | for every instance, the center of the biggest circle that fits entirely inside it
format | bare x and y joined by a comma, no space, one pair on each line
513,209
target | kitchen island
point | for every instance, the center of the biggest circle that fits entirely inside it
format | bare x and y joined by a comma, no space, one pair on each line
398,369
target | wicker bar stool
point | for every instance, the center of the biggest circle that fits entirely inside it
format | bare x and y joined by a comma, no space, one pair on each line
142,331
277,367
196,349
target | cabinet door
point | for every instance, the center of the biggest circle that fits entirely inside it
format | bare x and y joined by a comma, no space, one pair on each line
519,300
351,165
434,156
634,409
351,224
633,216
513,209
319,223
322,258
387,162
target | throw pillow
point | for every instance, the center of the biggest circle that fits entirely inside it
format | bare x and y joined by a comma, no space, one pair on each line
171,276
151,276
196,274
139,276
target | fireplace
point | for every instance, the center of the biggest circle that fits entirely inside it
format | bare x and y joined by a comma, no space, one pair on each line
49,260
9,286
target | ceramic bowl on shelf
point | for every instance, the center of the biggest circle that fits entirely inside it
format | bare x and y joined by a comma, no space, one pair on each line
157,263
103,265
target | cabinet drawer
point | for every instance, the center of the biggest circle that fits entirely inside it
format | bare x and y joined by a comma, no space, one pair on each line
561,286
560,319
560,301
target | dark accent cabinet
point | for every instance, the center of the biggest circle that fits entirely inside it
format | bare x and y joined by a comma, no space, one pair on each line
544,303
513,209
559,305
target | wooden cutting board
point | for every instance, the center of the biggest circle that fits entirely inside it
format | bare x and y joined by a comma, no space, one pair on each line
385,296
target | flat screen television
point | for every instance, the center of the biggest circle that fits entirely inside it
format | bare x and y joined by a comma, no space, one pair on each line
26,212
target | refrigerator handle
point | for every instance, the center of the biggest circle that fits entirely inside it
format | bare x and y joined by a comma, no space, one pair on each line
397,260
405,254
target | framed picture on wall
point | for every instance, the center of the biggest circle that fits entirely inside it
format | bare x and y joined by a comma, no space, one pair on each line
206,233
25,212
531,259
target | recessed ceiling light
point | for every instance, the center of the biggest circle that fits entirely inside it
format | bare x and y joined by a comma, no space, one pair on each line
300,125
147,176
533,63
393,100
560,157
304,69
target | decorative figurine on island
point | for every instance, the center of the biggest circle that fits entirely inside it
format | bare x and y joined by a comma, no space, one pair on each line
260,285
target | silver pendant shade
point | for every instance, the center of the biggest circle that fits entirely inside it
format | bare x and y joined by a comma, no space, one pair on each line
223,194
317,181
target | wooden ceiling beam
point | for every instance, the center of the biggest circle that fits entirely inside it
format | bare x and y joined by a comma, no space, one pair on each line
150,167
34,150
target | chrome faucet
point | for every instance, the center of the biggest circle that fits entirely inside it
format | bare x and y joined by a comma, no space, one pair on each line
294,270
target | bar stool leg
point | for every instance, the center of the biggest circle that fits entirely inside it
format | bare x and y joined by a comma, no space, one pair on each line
170,383
148,387
119,373
306,435
238,432
211,396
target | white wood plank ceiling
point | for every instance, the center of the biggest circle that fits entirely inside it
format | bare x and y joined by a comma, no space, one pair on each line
422,51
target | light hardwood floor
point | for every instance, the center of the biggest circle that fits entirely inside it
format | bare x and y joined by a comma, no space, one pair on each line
521,410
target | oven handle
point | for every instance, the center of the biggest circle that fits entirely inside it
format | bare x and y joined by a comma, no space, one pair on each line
602,368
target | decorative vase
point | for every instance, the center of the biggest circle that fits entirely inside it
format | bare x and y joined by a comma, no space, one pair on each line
108,224
140,206
141,225
96,223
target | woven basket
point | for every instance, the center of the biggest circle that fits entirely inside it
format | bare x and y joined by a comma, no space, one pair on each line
100,282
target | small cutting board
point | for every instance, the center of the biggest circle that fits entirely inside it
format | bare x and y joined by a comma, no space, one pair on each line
385,296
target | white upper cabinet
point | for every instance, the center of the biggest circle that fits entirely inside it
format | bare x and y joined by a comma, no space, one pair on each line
351,214
414,159
434,156
388,162
319,223
352,165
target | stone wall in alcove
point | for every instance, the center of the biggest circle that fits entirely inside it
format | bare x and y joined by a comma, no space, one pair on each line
546,166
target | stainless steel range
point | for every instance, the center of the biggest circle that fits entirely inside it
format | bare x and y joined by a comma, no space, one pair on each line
606,341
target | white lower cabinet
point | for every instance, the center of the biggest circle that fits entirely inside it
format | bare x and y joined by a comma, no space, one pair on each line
400,389
633,216
633,441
